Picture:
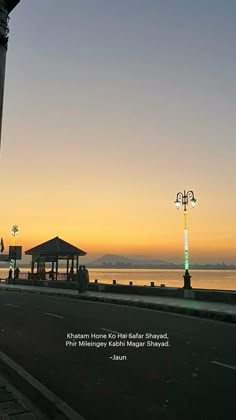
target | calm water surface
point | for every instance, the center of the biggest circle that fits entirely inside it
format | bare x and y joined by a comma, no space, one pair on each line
203,279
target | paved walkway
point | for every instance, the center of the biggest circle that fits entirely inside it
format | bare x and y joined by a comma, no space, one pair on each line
214,310
15,406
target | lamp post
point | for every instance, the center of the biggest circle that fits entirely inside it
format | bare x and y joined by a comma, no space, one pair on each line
183,199
14,232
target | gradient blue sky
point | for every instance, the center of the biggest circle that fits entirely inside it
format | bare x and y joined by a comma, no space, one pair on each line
111,108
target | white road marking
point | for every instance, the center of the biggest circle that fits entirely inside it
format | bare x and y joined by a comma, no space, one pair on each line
61,405
57,316
9,304
105,329
195,318
223,364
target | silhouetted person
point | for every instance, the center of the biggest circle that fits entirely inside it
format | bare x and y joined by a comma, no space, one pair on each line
51,274
71,274
10,274
17,272
85,278
43,273
79,276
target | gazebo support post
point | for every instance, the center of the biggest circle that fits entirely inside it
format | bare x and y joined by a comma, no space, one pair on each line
77,263
52,270
67,267
37,269
56,267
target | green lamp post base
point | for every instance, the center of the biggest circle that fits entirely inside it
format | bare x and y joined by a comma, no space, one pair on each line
187,280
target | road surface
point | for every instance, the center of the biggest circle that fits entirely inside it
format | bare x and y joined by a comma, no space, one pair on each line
191,375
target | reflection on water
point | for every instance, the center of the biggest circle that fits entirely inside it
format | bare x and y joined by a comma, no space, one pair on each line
202,279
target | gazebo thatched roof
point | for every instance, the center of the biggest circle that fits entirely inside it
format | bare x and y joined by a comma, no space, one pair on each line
55,247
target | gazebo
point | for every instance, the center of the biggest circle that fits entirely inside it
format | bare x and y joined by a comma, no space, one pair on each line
53,250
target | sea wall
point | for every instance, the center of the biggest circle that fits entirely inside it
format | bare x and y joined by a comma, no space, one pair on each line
223,296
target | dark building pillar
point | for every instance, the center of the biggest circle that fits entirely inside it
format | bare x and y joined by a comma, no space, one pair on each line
6,6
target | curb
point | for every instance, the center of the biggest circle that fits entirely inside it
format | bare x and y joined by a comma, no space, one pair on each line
34,396
44,399
204,313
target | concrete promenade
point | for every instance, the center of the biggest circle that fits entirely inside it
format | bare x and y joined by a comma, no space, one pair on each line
225,312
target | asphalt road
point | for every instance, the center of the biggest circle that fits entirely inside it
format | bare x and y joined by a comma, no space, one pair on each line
193,376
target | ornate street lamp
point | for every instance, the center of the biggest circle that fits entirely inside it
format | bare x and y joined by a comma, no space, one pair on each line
183,199
14,232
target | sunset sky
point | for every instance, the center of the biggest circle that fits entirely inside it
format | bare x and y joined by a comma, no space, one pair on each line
111,108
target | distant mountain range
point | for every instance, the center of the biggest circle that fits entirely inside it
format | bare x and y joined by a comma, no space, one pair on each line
119,261
112,260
